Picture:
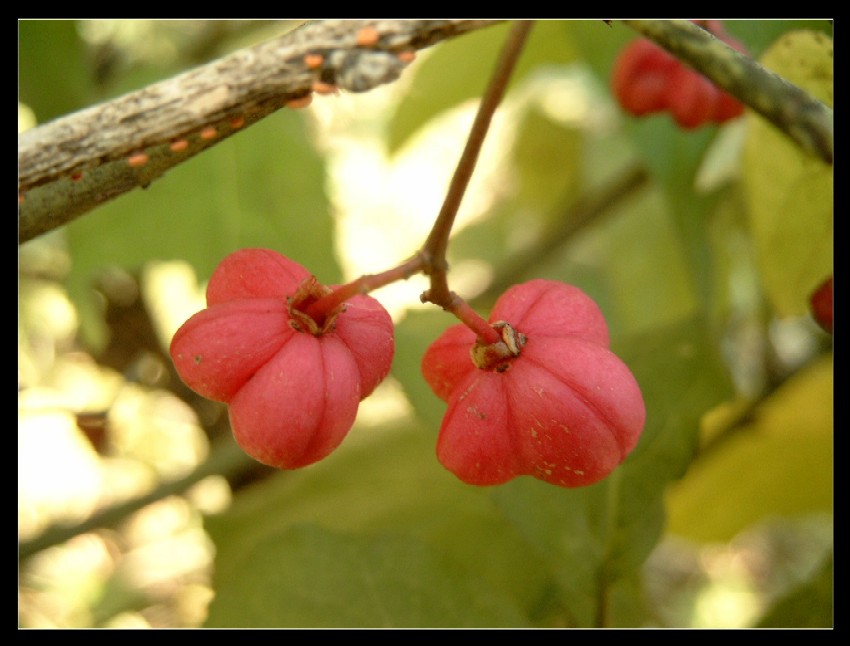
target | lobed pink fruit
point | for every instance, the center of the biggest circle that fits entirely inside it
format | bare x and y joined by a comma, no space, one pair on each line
300,405
292,383
690,98
639,79
563,408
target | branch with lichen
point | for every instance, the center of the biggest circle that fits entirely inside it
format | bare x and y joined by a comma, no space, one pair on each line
804,119
73,164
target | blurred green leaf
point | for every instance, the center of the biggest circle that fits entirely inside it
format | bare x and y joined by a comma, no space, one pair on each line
597,537
54,74
459,69
309,577
380,482
780,464
790,193
809,605
545,171
599,43
262,187
674,157
681,374
644,295
414,333
758,35
547,158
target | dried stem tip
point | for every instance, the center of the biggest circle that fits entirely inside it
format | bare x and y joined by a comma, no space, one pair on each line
497,356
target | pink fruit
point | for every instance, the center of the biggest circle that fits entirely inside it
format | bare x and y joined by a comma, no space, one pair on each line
647,79
292,381
550,400
640,77
820,303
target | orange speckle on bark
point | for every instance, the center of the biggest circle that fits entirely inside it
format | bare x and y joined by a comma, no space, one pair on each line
137,160
368,37
407,55
179,145
324,88
299,102
313,61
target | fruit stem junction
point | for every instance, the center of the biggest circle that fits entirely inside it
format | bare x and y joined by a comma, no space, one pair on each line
497,355
431,260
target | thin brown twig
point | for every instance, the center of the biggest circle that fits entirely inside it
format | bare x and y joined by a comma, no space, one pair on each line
434,250
438,239
431,259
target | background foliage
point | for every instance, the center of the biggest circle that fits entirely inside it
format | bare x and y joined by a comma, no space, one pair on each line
722,517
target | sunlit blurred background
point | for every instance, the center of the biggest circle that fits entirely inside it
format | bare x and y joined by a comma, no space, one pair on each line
91,437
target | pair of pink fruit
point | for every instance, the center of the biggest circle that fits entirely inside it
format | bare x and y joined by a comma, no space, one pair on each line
549,400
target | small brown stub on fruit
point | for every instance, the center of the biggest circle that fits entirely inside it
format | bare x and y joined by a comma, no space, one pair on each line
308,292
198,359
497,356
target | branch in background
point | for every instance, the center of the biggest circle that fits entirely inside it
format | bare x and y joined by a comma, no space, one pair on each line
808,122
70,165
591,207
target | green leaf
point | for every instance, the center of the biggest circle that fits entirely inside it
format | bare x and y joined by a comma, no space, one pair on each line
382,487
597,537
674,158
759,35
545,170
780,464
414,333
599,43
548,162
650,276
810,605
789,193
309,577
54,76
262,187
681,375
459,69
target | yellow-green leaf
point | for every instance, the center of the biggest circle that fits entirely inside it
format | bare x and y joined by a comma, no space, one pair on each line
789,192
780,464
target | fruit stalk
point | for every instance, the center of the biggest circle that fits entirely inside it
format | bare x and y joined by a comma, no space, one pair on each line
434,250
431,260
